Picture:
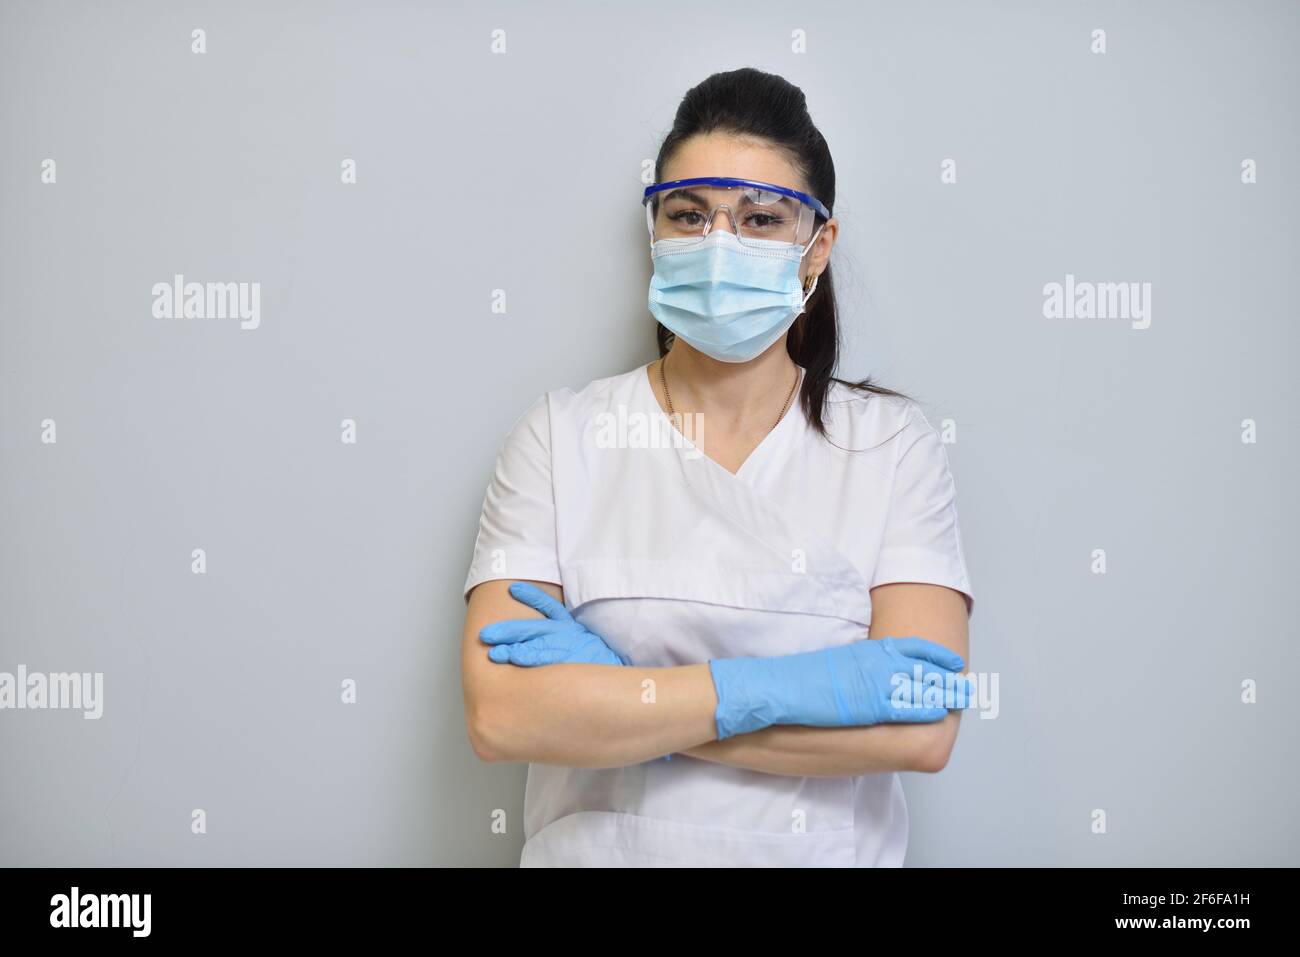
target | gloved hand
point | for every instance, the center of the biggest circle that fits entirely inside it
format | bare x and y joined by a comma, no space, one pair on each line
852,684
556,639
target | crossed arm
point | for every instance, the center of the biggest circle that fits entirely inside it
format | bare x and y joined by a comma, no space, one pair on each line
597,716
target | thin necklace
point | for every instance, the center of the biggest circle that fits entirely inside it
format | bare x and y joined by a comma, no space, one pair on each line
672,413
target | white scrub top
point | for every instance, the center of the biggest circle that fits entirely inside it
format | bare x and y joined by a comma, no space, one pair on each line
673,560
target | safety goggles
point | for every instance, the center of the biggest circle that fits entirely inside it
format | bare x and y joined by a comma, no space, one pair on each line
684,209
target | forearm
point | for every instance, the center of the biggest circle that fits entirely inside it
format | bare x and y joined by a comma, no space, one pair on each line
578,715
836,752
591,716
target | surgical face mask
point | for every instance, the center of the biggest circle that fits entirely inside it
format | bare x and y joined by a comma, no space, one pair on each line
728,299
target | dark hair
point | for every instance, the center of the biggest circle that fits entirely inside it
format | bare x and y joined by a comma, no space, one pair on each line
749,102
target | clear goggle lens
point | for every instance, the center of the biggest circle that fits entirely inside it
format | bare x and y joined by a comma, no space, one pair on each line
752,213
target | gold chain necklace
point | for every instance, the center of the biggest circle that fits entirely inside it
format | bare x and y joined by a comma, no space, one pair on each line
672,413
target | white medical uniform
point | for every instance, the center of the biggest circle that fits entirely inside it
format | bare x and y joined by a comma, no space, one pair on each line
673,560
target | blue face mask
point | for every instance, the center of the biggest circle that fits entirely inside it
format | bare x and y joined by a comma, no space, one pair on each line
728,299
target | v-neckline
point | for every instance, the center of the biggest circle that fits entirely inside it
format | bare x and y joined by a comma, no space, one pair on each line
765,444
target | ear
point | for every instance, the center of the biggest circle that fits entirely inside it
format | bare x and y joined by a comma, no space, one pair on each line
820,253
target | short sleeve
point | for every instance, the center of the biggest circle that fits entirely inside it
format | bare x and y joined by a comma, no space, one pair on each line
922,539
516,531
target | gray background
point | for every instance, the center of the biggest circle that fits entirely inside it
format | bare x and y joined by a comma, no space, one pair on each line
328,561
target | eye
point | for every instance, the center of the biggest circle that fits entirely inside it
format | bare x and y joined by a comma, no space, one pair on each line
687,217
764,221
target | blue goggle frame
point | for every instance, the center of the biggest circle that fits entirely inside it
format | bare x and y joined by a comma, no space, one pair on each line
811,202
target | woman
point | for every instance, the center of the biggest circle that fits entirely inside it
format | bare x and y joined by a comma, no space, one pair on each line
709,650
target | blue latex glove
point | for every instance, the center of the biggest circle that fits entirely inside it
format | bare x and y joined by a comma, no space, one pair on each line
556,639
852,684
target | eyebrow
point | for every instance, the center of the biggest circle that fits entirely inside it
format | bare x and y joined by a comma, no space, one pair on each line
699,200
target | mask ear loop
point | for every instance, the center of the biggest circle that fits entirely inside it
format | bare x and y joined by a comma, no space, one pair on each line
810,289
